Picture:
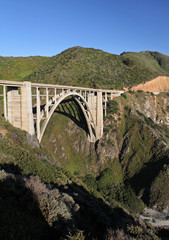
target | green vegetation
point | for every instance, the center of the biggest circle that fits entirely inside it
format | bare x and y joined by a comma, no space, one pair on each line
112,107
16,68
124,195
159,189
110,177
16,150
154,61
89,67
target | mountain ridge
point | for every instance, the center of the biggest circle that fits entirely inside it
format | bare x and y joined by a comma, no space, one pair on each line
98,69
87,67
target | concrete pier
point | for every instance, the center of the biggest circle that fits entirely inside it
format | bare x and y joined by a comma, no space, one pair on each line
27,123
19,107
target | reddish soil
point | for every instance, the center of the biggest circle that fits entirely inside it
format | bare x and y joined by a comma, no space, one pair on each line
3,132
159,84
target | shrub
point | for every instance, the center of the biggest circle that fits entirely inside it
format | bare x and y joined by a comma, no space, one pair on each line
124,95
90,181
135,230
168,108
105,180
110,142
125,195
126,108
110,177
106,130
112,107
79,235
76,173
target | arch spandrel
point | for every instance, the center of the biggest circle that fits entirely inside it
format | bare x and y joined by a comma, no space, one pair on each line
85,109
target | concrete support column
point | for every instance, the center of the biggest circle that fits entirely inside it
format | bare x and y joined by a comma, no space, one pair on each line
105,105
38,113
55,94
47,102
5,107
85,95
14,106
27,123
99,115
92,104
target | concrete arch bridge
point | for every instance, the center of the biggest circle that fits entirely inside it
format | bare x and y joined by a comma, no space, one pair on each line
29,106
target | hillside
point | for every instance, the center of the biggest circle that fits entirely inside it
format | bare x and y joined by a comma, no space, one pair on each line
134,146
154,61
89,67
16,68
69,188
40,200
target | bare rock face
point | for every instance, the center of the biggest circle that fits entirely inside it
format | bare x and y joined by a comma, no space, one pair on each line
152,106
32,140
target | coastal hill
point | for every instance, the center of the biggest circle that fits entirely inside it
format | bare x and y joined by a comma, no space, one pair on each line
89,67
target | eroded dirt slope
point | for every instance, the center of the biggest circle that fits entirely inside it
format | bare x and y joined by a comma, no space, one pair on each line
159,84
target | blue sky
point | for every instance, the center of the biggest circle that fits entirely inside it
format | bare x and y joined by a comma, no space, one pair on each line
47,27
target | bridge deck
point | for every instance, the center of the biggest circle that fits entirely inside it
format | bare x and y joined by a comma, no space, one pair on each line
44,85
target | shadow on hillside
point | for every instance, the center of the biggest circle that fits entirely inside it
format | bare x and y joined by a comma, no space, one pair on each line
71,109
21,216
94,217
145,178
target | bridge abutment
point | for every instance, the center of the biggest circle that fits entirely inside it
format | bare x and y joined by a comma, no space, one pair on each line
19,107
14,106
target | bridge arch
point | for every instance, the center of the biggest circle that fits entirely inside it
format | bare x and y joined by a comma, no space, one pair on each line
85,110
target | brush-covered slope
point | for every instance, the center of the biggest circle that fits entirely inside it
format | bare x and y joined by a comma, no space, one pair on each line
16,68
39,200
89,67
155,61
